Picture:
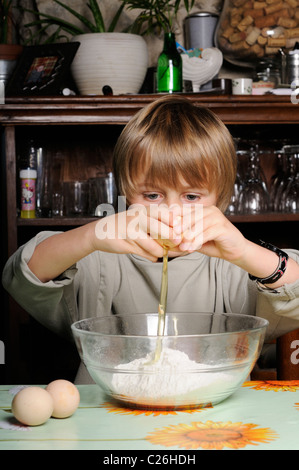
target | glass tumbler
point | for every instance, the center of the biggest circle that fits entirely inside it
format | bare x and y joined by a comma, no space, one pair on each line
254,198
290,199
75,196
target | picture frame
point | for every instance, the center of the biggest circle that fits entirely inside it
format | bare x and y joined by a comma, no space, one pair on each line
42,70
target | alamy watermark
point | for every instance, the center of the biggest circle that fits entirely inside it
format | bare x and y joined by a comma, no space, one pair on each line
295,354
156,220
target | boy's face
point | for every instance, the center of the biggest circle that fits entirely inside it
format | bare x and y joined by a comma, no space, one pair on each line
148,193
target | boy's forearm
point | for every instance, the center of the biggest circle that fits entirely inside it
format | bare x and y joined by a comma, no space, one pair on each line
261,262
58,252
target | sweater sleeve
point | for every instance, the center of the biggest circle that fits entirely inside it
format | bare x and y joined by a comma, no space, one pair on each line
280,306
51,303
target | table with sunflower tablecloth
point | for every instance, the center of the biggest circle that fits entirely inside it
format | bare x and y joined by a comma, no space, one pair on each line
261,415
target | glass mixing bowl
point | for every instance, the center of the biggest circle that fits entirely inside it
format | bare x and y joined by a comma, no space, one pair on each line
204,357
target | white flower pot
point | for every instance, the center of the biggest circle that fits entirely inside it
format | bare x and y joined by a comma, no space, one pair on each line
119,60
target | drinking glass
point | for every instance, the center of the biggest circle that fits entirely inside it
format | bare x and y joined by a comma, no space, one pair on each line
75,195
278,181
233,207
290,199
44,182
254,197
102,194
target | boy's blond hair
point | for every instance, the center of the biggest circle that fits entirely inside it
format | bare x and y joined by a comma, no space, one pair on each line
171,139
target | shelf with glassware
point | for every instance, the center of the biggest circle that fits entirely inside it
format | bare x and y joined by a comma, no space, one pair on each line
266,188
53,113
259,156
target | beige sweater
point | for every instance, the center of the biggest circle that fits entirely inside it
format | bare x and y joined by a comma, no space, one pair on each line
104,283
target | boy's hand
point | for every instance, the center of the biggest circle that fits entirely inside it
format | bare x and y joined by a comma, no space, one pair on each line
143,231
207,230
140,230
212,234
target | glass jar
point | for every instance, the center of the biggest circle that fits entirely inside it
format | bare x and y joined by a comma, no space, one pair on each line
267,75
248,30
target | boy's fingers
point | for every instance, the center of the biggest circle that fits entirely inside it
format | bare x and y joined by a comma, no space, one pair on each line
149,249
164,213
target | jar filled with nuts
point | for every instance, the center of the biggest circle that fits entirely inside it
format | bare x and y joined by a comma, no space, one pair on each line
254,29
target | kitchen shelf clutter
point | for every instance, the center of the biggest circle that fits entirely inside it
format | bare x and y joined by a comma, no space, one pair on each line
81,132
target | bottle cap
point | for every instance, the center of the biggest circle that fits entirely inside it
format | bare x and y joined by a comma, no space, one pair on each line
28,173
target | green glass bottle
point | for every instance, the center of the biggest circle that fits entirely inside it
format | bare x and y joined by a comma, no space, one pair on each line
169,67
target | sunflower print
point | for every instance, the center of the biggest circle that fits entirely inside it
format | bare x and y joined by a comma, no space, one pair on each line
212,435
274,385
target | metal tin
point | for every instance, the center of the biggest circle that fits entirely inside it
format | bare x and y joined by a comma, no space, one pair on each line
6,69
199,29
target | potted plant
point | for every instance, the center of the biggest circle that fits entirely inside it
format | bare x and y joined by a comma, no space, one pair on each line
9,52
162,14
156,15
106,57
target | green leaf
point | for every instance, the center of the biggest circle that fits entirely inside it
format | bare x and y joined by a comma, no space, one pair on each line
5,13
80,17
50,21
98,18
189,5
116,18
156,13
55,37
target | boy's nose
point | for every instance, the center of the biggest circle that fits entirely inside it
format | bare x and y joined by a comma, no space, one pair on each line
172,200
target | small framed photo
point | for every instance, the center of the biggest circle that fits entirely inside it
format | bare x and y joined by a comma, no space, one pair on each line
42,69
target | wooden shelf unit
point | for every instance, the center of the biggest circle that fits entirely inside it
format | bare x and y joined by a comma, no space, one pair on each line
48,114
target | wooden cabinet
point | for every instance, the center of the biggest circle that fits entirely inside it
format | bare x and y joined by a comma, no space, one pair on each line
84,131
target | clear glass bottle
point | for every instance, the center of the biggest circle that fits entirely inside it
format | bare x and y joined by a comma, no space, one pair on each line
169,67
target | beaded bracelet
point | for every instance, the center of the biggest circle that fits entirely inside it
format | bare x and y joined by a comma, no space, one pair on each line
279,271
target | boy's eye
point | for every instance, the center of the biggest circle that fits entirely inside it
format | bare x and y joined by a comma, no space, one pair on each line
152,196
192,197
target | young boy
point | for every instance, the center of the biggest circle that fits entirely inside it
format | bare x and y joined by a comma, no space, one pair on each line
175,164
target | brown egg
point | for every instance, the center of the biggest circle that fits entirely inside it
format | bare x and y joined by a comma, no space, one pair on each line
65,396
32,406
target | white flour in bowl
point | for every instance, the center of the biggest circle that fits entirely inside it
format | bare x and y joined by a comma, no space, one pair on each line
172,375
